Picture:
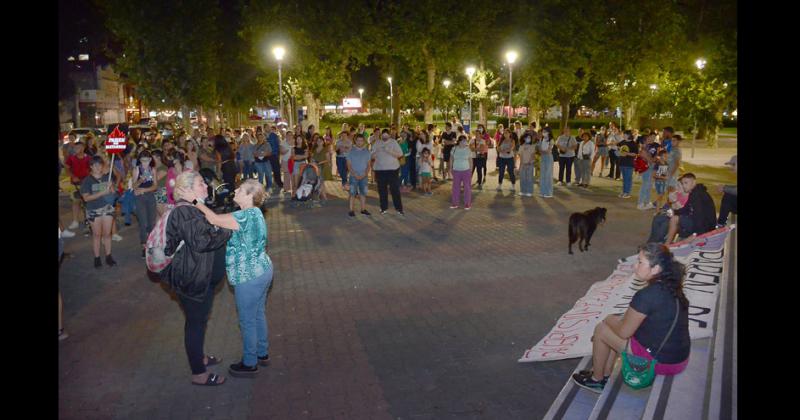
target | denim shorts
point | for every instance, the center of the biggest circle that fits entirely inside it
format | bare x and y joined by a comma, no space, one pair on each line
358,187
661,186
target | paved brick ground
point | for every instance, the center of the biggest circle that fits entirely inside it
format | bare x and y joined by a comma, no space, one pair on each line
383,317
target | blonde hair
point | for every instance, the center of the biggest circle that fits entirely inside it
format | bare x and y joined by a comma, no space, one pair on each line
252,186
185,181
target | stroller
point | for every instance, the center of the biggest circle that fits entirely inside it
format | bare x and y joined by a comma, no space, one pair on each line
220,195
310,186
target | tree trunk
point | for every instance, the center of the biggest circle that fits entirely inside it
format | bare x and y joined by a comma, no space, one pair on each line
76,113
313,110
396,107
482,112
630,112
187,119
428,103
212,119
564,113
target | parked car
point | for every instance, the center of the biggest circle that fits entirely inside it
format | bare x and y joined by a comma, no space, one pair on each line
80,133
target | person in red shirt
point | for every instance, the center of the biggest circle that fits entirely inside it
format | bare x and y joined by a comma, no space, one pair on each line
78,168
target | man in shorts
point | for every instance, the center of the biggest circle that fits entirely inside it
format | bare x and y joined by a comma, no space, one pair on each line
448,142
673,162
359,164
78,169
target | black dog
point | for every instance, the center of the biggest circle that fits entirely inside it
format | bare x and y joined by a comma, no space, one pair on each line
583,225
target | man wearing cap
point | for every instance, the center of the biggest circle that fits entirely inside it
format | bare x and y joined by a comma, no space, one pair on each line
728,204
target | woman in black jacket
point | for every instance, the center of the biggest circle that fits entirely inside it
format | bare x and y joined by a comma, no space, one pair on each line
195,271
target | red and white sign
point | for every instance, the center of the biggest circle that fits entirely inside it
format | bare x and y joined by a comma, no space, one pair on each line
116,142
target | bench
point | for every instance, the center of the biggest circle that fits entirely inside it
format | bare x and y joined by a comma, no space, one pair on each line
705,390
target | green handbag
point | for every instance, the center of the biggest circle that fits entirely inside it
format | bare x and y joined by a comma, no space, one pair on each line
639,372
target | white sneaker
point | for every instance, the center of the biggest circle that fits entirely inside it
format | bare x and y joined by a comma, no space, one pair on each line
67,234
649,206
74,225
116,238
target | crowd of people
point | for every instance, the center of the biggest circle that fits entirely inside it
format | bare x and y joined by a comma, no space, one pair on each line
155,175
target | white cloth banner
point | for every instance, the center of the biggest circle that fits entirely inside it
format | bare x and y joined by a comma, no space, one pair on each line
571,336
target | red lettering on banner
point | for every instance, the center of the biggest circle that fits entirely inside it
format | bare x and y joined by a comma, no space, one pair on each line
559,340
573,325
560,353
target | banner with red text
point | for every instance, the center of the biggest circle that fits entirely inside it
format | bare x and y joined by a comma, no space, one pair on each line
704,260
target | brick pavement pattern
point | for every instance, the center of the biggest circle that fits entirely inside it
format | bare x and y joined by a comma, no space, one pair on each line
381,317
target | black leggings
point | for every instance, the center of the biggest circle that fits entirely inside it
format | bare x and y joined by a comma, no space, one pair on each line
194,330
613,167
479,163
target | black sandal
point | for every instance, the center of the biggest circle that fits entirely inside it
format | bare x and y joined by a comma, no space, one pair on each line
213,380
213,360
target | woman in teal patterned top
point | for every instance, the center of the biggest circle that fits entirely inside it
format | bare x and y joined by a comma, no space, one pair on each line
249,272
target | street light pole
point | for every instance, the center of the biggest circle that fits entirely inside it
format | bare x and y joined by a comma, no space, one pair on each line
391,101
470,72
361,97
511,56
701,64
279,52
446,84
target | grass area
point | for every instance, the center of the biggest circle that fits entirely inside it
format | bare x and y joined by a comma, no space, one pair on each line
729,130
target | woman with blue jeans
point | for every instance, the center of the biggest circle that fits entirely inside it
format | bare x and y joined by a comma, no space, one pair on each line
145,183
249,271
262,154
545,149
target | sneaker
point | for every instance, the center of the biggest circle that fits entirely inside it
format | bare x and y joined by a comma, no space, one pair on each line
626,196
74,225
365,213
640,206
480,187
548,196
589,383
97,262
617,179
512,191
263,361
67,234
400,213
621,195
110,261
453,207
383,212
467,207
351,214
429,193
559,183
649,206
240,370
116,238
62,335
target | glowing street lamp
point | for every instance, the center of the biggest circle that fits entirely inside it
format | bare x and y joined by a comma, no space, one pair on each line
700,63
470,72
511,57
653,87
279,52
446,83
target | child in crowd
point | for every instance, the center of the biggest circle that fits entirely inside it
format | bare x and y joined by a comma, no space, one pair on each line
660,176
425,165
437,154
